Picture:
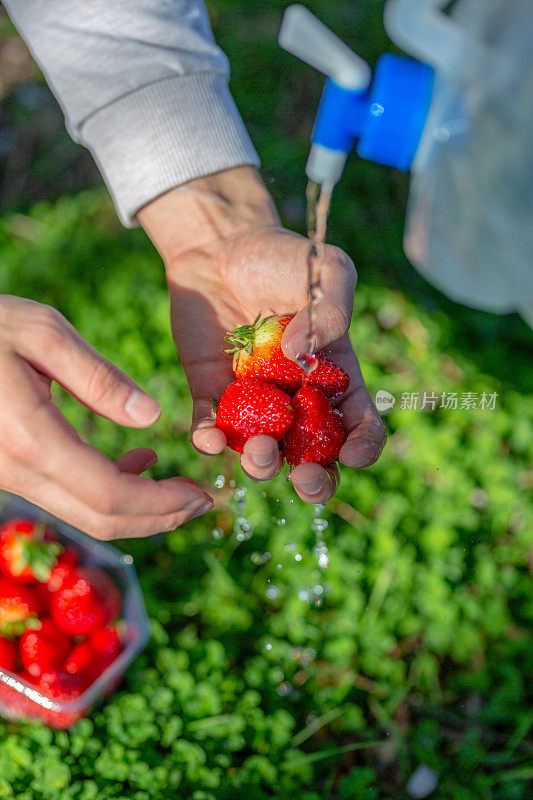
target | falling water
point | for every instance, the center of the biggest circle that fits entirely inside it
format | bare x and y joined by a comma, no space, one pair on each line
318,202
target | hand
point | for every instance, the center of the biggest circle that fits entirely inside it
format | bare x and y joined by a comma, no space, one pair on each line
227,259
42,457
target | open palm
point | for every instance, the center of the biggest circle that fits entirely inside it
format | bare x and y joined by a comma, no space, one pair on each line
215,288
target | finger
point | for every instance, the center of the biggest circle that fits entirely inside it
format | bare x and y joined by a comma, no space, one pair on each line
96,480
52,345
313,483
260,459
368,435
56,501
137,461
205,436
333,312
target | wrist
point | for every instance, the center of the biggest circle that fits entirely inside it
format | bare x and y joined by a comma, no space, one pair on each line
207,211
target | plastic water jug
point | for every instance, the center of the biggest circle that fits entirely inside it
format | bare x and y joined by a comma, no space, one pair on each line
458,116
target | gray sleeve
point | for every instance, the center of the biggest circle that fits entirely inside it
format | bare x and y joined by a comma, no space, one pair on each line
143,85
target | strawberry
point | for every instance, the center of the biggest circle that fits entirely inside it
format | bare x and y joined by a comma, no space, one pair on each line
66,563
250,407
317,434
88,600
81,661
60,686
8,654
19,606
258,354
27,550
44,648
92,656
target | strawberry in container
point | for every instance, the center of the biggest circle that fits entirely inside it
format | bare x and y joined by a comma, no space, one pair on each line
72,617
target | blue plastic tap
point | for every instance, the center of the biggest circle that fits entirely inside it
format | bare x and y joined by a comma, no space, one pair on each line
381,117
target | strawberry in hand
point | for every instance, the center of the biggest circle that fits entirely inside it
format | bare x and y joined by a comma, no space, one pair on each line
27,550
257,353
250,408
317,434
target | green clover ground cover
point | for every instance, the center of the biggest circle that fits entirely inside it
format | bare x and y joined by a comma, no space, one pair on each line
267,676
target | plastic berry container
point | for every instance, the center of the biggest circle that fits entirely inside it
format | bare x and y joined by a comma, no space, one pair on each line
19,699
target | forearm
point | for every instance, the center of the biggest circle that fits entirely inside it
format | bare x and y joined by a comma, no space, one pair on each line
207,210
143,85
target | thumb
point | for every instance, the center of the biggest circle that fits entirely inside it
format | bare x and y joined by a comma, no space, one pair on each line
64,356
333,311
331,323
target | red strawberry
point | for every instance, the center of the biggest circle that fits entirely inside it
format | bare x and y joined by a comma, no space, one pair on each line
317,434
88,600
44,649
60,686
92,656
27,550
258,354
66,563
250,407
107,644
19,606
8,654
81,660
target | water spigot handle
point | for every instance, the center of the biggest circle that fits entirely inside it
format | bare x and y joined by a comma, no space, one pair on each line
307,38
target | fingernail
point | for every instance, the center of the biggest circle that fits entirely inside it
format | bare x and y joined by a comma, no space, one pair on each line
297,345
263,458
142,408
150,462
312,486
198,507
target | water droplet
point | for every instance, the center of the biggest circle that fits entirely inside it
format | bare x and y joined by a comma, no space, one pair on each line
303,595
316,292
290,546
220,480
323,561
272,592
217,533
240,494
307,362
232,484
298,557
268,646
279,566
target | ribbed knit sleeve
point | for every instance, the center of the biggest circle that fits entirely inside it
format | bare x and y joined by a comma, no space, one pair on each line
143,85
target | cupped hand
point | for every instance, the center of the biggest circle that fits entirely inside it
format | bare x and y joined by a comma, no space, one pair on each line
43,459
215,288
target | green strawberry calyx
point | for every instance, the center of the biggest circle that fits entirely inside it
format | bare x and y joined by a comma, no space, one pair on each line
37,554
243,337
16,627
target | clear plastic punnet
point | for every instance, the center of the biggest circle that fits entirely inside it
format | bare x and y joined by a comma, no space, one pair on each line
19,699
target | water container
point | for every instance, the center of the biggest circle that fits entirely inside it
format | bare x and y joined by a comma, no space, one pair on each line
458,117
